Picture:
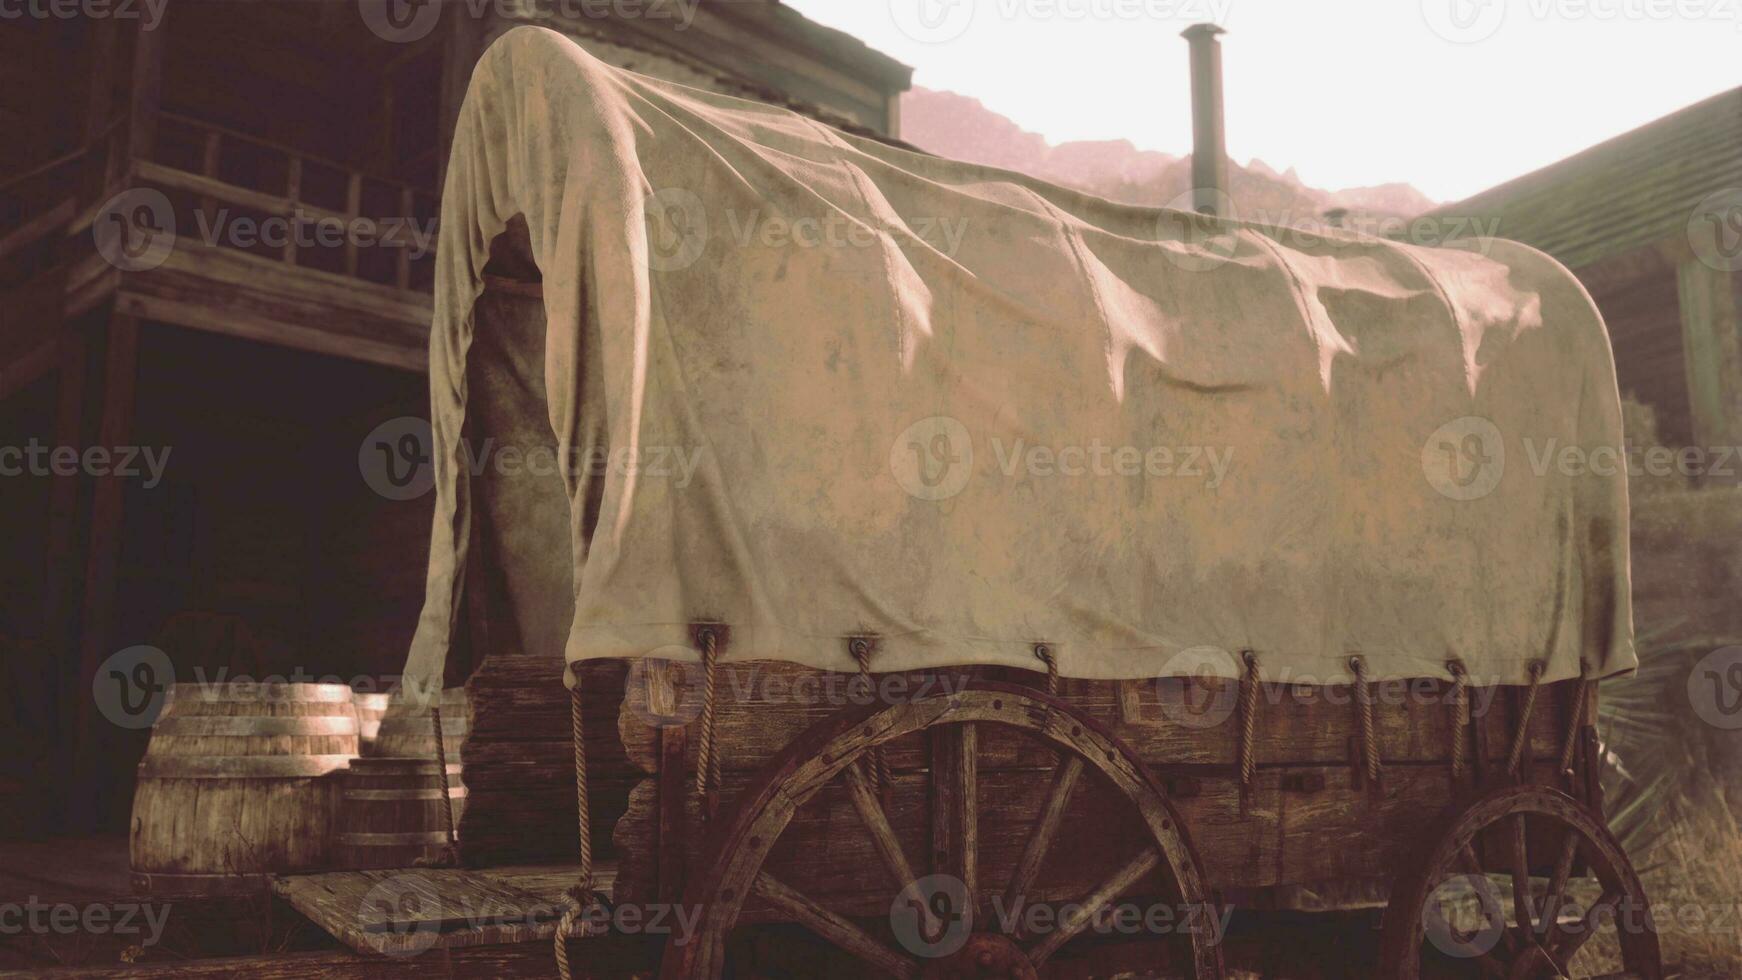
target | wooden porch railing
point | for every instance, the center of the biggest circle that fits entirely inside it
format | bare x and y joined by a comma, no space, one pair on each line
214,167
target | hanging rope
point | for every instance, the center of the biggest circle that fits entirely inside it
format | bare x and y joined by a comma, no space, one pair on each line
878,766
580,895
1248,719
1044,653
1364,711
707,760
1460,716
1521,737
1575,721
450,855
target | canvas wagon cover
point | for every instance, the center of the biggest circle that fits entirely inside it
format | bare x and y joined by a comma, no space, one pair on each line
818,386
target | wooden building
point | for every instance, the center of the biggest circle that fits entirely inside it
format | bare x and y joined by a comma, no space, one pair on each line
1651,223
258,363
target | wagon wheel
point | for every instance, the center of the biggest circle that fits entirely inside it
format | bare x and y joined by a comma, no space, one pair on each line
1535,931
831,750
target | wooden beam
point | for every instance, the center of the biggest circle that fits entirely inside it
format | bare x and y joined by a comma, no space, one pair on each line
147,90
955,807
1712,339
102,556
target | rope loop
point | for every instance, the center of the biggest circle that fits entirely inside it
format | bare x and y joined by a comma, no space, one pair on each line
861,648
1364,711
1248,718
1515,759
1460,716
707,759
1043,653
580,895
1575,719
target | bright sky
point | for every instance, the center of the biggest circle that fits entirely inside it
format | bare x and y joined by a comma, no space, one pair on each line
1453,96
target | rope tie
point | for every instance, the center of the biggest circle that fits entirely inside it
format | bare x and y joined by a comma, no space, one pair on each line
1045,655
1364,709
878,766
1460,716
1248,718
707,760
450,854
1575,721
580,895
1519,738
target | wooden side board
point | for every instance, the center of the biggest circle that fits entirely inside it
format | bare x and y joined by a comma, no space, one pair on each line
1297,825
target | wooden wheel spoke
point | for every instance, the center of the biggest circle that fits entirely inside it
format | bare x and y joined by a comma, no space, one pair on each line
1052,814
876,824
1557,883
1521,909
1085,911
831,927
1567,941
956,807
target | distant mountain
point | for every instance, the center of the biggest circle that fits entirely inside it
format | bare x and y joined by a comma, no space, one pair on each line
959,127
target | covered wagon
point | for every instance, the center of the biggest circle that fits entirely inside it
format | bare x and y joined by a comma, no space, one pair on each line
942,563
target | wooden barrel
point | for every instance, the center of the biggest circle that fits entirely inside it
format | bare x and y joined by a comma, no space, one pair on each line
370,709
406,732
236,784
390,812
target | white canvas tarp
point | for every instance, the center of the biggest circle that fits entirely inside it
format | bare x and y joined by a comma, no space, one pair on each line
816,386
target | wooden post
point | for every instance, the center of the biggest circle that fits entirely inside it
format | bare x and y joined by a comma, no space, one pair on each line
293,193
1712,341
102,557
353,204
147,91
955,806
